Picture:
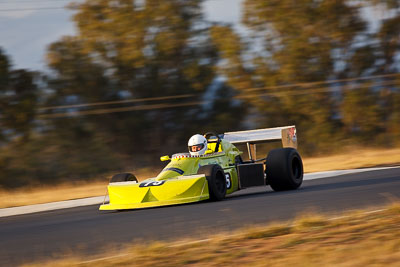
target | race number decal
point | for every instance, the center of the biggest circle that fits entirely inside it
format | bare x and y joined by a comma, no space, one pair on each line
228,180
152,183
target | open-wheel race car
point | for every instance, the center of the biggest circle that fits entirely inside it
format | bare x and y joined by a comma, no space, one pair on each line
218,171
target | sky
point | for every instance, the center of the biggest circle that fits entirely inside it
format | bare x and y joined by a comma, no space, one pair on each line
26,32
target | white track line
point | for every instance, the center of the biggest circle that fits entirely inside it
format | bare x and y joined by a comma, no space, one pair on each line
98,200
327,174
104,258
51,206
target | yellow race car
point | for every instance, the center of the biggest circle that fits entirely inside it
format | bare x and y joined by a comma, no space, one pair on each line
192,177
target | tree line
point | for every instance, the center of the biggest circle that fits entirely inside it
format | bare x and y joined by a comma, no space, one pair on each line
140,77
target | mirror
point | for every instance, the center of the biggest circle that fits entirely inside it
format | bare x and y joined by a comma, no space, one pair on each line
165,158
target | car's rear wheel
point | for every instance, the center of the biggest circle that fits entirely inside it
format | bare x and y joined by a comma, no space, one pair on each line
284,169
216,181
123,177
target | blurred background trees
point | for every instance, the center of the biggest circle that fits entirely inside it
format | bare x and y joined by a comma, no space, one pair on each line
300,59
125,50
140,77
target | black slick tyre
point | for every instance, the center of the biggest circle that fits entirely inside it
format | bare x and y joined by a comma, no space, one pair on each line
123,177
216,181
284,169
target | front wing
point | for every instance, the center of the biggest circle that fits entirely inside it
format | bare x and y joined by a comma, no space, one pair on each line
153,193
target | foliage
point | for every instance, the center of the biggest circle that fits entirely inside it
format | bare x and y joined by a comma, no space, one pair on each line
300,46
18,101
125,50
140,77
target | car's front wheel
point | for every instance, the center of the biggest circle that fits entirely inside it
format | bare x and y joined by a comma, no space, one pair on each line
216,181
123,177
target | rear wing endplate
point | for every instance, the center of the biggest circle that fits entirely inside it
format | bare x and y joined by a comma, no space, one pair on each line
287,135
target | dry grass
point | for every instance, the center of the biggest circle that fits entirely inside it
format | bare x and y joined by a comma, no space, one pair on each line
357,158
357,239
354,158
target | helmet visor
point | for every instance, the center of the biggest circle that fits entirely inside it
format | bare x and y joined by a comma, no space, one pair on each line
196,148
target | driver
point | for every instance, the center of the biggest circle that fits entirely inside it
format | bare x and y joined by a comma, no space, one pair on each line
197,145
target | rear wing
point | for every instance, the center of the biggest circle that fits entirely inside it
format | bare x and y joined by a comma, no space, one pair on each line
287,135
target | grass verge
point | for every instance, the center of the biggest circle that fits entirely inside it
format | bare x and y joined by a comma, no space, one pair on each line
355,239
354,158
66,191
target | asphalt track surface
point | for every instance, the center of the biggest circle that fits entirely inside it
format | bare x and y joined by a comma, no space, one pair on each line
52,234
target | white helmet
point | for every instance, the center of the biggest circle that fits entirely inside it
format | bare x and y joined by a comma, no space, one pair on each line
197,145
